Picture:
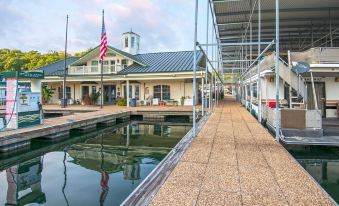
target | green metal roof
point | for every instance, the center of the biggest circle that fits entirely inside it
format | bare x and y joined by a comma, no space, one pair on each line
161,62
181,61
56,68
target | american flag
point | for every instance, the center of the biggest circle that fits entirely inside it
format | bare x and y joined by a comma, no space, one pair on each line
103,43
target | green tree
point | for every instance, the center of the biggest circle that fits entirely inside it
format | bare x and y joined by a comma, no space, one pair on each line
14,60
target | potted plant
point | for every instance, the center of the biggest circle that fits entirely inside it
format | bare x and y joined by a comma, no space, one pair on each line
94,97
47,93
182,101
86,100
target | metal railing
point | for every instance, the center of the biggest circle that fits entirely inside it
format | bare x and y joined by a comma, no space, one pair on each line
89,70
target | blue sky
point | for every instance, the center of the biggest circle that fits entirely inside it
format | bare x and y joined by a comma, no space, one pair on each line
164,25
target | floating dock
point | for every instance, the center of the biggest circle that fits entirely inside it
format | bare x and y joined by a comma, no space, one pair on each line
54,128
324,141
233,161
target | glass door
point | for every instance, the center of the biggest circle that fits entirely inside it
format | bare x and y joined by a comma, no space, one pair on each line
109,94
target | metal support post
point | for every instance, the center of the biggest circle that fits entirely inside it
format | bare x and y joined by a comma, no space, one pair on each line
251,42
206,71
277,54
195,66
259,95
64,97
314,94
331,34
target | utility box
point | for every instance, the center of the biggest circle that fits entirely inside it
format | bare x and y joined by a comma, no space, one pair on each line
23,107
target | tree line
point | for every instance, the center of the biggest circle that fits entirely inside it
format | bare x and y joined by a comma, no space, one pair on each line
15,60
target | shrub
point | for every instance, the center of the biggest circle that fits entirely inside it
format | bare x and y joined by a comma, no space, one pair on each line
121,102
47,93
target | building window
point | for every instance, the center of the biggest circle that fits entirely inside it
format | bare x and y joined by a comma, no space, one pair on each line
94,67
124,63
126,42
166,94
137,92
68,92
132,41
157,91
130,91
112,62
94,89
162,92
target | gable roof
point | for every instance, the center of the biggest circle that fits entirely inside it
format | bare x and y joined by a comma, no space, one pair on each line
57,68
122,53
181,61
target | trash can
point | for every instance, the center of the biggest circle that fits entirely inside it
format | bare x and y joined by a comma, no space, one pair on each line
133,102
207,102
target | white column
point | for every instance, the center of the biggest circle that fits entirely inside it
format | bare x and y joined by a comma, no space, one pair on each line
127,92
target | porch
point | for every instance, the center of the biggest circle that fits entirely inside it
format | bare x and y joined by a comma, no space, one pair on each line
143,92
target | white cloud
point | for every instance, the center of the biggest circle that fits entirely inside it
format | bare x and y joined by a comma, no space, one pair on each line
164,25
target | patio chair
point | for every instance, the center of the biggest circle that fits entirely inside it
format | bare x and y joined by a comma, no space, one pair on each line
155,101
149,100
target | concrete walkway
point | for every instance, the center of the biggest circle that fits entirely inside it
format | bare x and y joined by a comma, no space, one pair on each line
235,161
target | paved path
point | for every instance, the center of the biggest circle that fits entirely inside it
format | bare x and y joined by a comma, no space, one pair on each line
235,161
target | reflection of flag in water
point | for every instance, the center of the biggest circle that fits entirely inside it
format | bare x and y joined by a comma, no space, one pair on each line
104,186
103,42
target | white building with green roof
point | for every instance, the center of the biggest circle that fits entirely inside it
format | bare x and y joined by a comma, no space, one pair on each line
150,77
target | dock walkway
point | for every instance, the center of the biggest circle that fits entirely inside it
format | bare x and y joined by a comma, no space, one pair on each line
235,161
9,139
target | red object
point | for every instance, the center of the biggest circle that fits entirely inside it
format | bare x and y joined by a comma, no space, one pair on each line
103,42
272,104
162,103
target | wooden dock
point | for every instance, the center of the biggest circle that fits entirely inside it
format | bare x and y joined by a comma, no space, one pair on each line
324,140
234,161
55,127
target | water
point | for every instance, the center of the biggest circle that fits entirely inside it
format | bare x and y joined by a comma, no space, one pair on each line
322,163
99,168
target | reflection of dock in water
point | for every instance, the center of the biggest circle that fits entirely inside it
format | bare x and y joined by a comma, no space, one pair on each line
24,183
7,160
126,149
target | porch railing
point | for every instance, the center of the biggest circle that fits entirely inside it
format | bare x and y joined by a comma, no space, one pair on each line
93,70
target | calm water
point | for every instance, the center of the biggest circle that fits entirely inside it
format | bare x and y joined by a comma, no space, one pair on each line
322,163
99,168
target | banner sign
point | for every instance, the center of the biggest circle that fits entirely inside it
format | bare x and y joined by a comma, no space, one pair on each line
11,110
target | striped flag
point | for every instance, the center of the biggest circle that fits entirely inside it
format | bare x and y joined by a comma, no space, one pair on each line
103,43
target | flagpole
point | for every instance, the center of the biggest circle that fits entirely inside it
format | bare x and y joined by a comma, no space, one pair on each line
64,98
102,73
102,84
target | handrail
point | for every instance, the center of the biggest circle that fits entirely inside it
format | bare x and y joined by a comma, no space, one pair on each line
259,56
107,69
202,50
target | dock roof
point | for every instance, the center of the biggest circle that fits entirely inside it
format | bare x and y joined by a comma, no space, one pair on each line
303,24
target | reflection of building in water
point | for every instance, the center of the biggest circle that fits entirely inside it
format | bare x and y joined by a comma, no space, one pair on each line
132,171
156,130
124,150
24,183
